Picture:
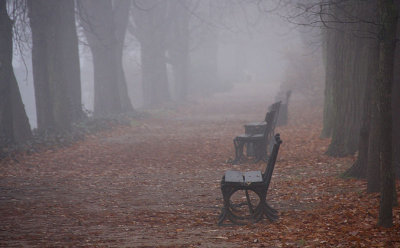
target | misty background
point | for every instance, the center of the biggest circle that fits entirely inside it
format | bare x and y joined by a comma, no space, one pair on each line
252,43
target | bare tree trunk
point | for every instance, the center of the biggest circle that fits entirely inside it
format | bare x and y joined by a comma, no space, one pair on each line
360,167
154,74
350,72
107,100
330,50
39,25
372,167
396,106
373,171
178,48
55,61
14,124
388,18
150,27
69,57
121,10
105,29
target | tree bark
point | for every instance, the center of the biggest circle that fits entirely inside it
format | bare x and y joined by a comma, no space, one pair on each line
154,74
373,171
55,62
99,20
360,167
388,19
373,157
396,106
121,10
14,124
330,50
349,75
150,27
178,48
69,61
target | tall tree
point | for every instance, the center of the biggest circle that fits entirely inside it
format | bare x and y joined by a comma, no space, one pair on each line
388,15
150,26
121,13
104,23
55,61
372,59
396,105
372,166
330,43
178,46
367,159
366,153
14,124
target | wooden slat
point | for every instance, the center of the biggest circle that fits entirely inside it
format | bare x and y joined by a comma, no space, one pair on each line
252,177
234,176
243,177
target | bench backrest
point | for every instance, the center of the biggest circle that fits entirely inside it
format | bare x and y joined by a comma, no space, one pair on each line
275,107
269,119
283,116
271,161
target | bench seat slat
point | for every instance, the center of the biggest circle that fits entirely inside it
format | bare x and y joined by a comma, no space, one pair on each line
243,177
234,176
253,177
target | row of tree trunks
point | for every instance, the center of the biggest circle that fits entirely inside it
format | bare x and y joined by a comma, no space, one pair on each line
370,61
55,61
347,74
367,163
104,23
14,125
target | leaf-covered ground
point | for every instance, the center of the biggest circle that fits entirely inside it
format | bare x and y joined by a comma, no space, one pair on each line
156,184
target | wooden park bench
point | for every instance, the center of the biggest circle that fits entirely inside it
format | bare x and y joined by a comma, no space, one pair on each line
256,206
258,140
258,127
252,138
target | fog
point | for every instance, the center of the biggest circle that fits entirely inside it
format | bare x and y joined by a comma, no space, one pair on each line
230,43
149,122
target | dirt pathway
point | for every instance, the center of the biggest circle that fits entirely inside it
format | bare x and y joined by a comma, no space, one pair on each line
156,183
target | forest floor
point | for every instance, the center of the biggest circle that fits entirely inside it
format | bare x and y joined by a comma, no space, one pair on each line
156,184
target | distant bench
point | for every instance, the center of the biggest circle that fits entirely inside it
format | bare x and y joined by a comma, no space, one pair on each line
257,136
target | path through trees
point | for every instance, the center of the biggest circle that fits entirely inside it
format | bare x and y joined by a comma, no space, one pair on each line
156,183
